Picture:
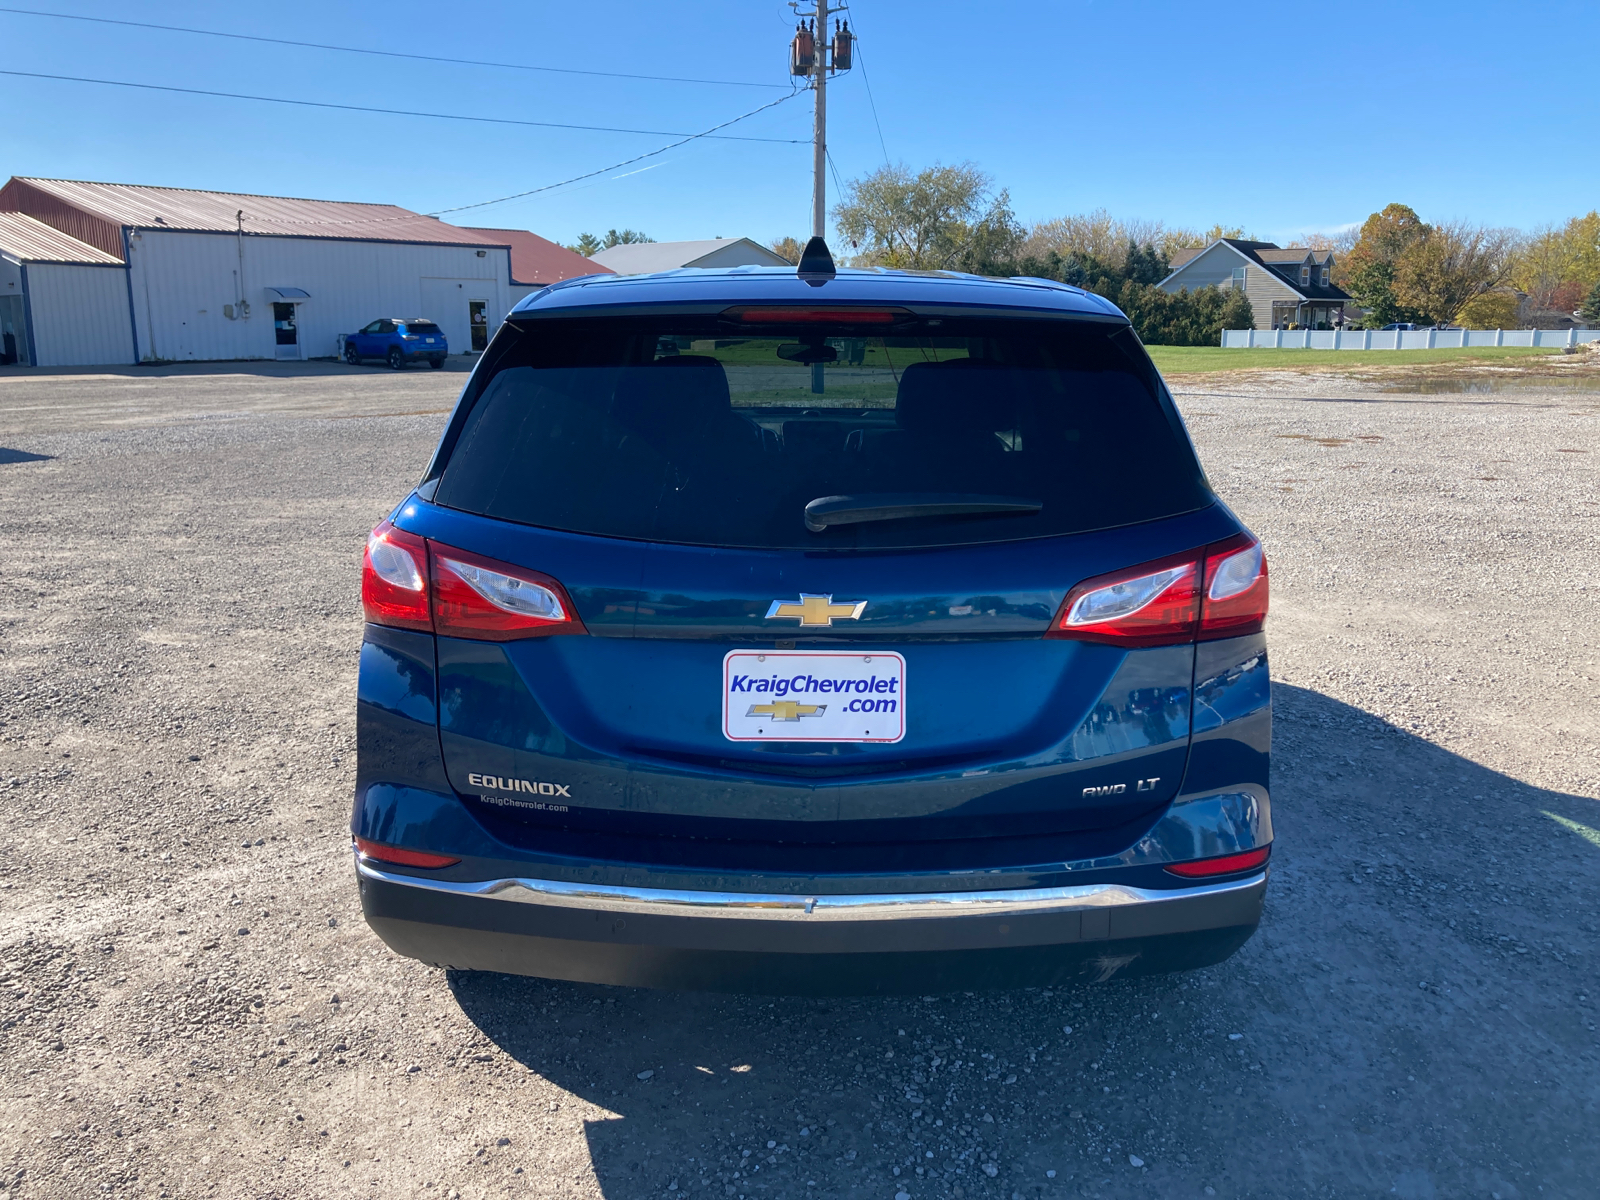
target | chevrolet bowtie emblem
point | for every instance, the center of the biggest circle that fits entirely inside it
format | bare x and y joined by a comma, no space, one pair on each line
815,610
786,710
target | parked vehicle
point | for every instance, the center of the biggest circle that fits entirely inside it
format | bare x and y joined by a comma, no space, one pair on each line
398,341
1406,326
836,632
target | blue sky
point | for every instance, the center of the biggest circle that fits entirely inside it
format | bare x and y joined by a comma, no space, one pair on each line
1280,120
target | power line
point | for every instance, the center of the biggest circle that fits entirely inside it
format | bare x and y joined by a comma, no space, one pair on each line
866,79
466,62
403,112
614,166
552,186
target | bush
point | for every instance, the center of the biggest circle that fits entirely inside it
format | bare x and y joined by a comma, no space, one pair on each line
1186,318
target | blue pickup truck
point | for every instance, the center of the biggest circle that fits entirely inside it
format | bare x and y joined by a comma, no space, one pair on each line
397,341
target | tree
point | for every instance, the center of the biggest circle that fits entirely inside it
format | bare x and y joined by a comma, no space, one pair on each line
1184,318
1591,306
588,245
1497,309
1436,274
924,221
1371,263
787,248
1556,258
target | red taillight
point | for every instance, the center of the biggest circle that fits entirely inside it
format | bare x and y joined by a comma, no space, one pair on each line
812,315
1151,605
477,597
1216,591
394,579
402,857
1228,864
1236,589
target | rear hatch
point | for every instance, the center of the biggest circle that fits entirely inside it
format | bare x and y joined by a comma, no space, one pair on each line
815,557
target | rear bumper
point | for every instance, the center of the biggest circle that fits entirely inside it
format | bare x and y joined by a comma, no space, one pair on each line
790,944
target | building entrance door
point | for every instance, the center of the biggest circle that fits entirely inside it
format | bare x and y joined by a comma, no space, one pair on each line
478,311
285,331
13,332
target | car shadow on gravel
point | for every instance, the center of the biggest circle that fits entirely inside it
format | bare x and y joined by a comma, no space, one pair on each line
1396,862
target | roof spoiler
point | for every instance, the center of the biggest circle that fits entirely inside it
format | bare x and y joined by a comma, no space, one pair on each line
816,263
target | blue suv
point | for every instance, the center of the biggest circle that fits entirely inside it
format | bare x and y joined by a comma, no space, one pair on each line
833,631
397,341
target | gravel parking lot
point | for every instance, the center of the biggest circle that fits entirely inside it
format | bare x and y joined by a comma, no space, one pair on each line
191,1005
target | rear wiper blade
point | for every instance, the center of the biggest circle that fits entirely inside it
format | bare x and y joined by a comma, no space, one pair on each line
894,506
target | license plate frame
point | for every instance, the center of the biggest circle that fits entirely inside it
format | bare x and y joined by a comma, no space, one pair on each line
795,682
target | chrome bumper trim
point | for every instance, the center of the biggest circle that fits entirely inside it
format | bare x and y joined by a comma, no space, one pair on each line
781,907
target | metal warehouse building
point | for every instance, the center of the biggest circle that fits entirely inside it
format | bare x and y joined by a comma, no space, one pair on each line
103,273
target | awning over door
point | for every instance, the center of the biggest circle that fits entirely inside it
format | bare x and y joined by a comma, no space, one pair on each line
289,295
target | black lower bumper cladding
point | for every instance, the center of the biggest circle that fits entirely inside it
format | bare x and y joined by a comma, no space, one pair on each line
794,954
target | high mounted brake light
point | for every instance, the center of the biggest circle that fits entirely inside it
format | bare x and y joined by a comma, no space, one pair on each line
408,582
1216,591
765,315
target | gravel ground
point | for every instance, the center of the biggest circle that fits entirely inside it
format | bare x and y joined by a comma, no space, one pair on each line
191,1005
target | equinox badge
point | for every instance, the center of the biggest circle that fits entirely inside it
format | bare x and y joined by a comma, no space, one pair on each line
816,610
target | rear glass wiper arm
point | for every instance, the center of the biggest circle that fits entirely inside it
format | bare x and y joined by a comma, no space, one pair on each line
894,506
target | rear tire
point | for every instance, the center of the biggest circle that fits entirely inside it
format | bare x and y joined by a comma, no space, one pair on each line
351,357
436,363
396,359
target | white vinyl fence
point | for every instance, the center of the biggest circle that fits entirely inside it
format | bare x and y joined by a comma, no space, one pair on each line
1401,339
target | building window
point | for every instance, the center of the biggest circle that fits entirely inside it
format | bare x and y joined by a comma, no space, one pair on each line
1238,278
1305,275
1325,276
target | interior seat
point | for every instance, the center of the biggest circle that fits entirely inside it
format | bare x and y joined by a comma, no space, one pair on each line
682,405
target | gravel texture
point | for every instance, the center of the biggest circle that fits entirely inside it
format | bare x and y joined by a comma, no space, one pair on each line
191,1005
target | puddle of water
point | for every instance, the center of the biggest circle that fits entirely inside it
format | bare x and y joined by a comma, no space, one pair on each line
1438,385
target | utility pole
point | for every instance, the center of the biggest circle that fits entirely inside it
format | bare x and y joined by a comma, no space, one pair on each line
819,152
813,52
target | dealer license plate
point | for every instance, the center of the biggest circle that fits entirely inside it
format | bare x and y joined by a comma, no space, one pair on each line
813,696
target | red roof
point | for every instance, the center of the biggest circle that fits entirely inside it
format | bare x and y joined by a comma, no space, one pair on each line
537,260
97,212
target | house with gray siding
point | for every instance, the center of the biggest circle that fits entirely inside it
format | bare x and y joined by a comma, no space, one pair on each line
1287,286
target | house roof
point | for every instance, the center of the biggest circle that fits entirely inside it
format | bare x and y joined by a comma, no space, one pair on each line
135,205
537,260
27,240
1280,260
643,258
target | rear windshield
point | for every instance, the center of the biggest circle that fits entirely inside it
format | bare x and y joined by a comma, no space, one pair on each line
421,327
941,433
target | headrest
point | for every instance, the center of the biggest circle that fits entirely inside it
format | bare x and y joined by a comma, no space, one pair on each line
672,397
963,395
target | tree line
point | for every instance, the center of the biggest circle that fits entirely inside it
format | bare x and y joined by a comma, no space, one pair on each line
1400,268
1395,265
953,218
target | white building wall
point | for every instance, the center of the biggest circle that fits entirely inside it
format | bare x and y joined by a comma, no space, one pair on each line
80,315
181,281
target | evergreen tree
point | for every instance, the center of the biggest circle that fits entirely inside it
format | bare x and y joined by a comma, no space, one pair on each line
1591,307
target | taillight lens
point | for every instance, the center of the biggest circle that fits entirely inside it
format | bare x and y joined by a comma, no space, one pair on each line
1152,605
1236,589
394,574
1227,864
1216,591
411,583
477,597
402,856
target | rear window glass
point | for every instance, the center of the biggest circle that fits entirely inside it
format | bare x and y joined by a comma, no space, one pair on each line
421,327
942,433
